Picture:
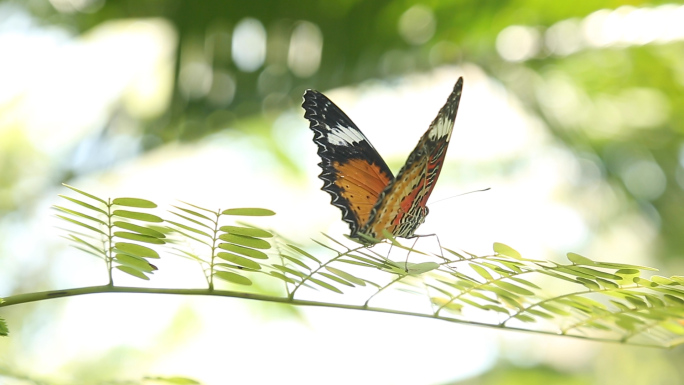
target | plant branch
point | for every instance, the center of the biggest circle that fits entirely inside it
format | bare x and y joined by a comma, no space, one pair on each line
46,295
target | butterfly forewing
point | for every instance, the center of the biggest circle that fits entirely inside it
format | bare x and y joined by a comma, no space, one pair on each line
401,207
353,173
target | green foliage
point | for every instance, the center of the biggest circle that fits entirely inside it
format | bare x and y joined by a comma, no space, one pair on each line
114,235
4,331
583,298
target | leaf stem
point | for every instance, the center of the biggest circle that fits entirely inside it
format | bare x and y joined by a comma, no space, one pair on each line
213,251
109,258
311,274
46,295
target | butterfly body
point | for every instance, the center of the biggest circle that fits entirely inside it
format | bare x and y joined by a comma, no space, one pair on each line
371,199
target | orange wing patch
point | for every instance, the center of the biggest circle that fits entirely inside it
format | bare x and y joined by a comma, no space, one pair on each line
397,202
360,184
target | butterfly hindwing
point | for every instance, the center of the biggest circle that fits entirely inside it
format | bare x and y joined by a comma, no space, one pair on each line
353,172
401,207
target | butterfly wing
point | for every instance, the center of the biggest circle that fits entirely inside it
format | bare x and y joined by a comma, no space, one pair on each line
353,173
401,207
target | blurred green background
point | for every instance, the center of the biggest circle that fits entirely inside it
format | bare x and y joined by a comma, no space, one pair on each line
571,112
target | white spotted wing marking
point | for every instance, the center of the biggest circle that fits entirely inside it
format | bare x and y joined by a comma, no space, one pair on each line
345,136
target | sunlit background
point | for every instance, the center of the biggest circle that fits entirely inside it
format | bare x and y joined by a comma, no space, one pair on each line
571,113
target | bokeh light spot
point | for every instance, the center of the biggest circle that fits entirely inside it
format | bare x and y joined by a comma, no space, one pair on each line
564,38
195,79
417,25
306,46
222,89
249,45
644,179
518,43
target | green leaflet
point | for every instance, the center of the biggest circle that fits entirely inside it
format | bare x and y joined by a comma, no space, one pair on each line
194,230
84,204
454,253
511,302
244,251
444,303
138,216
246,231
283,277
525,318
201,208
325,285
663,280
472,303
138,237
589,303
98,250
135,262
539,313
289,270
554,309
439,289
366,261
502,310
420,268
580,260
674,300
506,250
622,266
644,282
336,279
607,284
636,302
134,202
346,276
191,220
233,278
195,213
325,246
133,271
246,241
242,261
230,267
671,326
483,296
4,330
85,193
481,271
678,279
73,212
589,283
295,261
512,288
91,228
525,282
304,253
136,250
139,229
356,263
251,212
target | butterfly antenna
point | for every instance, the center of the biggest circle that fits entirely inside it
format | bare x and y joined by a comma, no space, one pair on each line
465,193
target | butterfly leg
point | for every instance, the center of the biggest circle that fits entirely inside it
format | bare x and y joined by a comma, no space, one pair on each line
439,244
409,253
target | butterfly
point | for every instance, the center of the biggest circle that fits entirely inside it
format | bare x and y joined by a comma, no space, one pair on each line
358,180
